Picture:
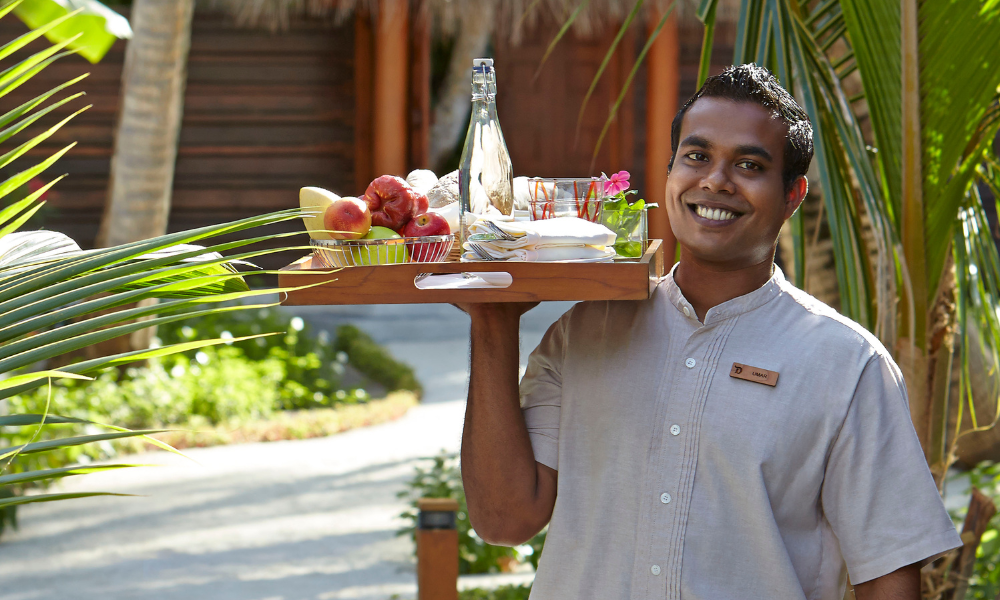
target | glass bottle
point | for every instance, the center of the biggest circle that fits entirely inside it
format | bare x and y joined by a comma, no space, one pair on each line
485,177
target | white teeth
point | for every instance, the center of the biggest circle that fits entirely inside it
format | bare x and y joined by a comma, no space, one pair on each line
714,214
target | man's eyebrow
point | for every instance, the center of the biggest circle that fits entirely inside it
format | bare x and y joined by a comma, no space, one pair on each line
754,151
696,141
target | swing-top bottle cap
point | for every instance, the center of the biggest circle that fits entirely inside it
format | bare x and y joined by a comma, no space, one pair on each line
482,62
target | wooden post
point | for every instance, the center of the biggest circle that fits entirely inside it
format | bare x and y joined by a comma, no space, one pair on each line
437,549
663,76
390,139
420,85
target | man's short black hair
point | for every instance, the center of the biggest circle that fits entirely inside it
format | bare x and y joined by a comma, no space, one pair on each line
754,84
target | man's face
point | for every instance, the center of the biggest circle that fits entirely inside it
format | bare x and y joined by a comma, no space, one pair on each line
725,196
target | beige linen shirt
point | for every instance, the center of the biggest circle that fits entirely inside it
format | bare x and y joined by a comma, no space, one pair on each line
677,480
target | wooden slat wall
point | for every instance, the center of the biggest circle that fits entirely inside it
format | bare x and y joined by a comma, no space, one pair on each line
264,115
539,117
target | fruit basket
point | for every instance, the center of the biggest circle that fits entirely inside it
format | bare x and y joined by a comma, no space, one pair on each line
364,252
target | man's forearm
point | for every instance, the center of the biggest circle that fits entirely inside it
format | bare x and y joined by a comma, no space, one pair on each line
901,584
498,465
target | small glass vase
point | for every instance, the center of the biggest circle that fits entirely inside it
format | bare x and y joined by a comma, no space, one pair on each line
629,226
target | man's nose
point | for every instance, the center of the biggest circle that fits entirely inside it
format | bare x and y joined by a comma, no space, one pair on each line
717,180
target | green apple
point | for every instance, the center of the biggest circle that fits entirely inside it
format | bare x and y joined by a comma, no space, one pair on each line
314,201
381,255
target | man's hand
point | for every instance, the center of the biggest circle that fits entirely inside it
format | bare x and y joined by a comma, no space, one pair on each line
901,584
510,495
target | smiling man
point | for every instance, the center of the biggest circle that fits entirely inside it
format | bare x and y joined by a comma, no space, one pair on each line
729,438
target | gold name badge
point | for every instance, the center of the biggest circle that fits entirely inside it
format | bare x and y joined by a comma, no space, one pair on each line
754,374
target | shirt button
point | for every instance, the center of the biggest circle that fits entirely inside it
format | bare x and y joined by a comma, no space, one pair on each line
665,498
655,569
675,429
687,311
690,363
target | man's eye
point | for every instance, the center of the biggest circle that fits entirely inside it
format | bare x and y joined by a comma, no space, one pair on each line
696,156
749,165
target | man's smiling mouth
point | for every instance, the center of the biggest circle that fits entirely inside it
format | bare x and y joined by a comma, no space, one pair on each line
713,214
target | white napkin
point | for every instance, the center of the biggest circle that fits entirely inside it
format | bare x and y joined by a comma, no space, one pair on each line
545,254
562,231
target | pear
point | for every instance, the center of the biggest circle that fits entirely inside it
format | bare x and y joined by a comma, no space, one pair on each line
315,201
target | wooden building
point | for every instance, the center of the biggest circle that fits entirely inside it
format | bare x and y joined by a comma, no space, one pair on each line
330,105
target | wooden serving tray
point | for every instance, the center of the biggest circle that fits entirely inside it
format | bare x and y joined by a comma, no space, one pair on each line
532,282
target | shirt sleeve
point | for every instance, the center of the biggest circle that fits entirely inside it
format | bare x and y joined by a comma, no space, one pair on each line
878,494
541,393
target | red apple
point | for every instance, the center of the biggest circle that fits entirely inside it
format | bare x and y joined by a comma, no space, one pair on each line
420,205
424,225
393,202
348,219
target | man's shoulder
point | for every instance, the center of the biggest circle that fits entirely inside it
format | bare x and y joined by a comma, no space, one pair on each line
826,325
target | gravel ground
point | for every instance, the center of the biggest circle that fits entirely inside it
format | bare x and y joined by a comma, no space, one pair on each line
297,520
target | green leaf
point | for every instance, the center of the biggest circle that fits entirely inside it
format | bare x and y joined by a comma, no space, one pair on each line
874,28
959,76
16,500
17,380
97,26
24,420
607,58
48,474
47,445
98,364
559,35
30,204
706,13
16,153
628,80
14,114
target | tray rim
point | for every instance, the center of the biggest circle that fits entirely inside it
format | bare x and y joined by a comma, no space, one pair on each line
533,281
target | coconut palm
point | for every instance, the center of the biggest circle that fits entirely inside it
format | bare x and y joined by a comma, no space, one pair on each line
926,79
56,298
149,122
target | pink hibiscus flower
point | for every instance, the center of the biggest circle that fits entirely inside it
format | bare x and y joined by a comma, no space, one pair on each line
616,184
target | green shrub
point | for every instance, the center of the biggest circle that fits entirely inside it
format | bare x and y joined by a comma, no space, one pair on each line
313,363
504,592
219,385
374,361
443,479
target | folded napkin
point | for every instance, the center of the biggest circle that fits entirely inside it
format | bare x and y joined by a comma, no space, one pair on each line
561,231
543,253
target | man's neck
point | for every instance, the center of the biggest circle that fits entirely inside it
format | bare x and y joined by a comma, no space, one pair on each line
705,285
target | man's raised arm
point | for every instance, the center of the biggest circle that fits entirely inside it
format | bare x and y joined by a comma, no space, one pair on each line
510,496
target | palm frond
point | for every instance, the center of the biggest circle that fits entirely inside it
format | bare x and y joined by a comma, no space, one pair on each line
959,53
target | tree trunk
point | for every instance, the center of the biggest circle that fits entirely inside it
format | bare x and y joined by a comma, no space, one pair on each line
451,114
149,122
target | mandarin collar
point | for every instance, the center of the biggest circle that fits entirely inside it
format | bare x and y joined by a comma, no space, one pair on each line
730,308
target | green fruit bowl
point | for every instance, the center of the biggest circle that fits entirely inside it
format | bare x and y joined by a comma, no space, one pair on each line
365,252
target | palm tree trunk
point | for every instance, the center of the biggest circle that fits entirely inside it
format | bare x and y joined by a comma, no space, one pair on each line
451,114
142,168
149,123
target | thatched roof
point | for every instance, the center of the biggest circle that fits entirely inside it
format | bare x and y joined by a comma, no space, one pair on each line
509,17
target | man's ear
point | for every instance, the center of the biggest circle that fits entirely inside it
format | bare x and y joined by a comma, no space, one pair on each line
795,195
